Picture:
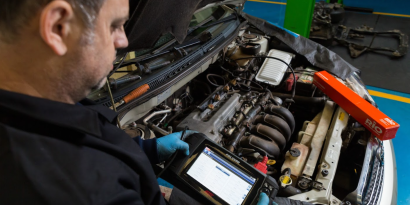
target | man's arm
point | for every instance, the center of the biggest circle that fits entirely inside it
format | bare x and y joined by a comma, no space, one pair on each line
150,149
160,149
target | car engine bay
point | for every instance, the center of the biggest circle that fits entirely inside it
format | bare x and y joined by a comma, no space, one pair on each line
255,97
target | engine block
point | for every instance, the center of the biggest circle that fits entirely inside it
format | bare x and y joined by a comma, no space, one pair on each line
211,121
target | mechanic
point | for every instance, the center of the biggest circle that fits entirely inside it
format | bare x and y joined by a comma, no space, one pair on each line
55,148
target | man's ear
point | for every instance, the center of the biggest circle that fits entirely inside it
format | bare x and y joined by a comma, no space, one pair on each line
56,22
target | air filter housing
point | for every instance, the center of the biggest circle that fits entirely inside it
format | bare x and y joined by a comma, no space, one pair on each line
272,70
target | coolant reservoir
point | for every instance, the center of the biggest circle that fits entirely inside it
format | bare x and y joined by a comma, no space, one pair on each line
236,53
295,159
285,180
258,39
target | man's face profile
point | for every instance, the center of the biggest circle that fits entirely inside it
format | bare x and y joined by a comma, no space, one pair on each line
96,50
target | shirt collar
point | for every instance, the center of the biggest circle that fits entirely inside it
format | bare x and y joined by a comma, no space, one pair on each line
105,112
80,118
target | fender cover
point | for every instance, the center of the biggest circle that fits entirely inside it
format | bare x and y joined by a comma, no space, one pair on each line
315,53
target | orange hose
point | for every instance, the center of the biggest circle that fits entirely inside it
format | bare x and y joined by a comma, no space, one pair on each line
136,93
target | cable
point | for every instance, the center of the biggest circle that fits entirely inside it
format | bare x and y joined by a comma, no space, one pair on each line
290,67
174,155
179,113
260,87
112,101
215,75
241,85
303,71
119,65
240,77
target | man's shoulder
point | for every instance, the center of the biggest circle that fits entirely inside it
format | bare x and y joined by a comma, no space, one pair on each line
67,166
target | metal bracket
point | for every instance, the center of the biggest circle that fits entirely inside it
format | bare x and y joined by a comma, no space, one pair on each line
318,186
323,181
305,183
343,33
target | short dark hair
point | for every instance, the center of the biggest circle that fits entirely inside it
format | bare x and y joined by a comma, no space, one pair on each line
16,13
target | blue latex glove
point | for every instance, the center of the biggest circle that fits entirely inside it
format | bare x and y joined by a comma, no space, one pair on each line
264,200
168,145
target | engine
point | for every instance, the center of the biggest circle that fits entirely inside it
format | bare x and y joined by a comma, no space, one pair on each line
241,123
241,114
247,102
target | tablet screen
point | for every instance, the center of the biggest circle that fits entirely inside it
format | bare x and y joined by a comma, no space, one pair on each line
221,177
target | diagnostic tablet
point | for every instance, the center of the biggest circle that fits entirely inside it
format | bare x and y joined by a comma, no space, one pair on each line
215,174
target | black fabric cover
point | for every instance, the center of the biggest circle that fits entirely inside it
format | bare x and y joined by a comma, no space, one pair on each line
180,198
315,53
286,201
150,19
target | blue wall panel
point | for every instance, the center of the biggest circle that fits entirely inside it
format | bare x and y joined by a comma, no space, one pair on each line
399,112
268,10
274,13
384,6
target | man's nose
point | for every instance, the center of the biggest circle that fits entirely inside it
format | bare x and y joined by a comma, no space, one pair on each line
121,41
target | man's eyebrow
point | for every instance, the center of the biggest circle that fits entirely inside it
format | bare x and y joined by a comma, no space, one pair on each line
121,20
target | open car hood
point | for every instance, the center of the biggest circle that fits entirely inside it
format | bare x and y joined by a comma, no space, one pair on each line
152,18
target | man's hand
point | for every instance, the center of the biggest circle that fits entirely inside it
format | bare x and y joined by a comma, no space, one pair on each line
168,145
264,200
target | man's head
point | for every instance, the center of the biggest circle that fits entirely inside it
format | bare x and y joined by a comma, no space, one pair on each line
59,49
17,13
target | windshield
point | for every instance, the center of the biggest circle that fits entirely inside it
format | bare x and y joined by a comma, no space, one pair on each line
140,64
197,19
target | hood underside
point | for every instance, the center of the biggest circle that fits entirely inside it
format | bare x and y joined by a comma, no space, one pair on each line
152,18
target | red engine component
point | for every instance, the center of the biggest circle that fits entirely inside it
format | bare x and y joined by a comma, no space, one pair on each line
261,166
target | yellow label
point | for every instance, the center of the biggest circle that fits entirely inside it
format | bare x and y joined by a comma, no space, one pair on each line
342,116
271,162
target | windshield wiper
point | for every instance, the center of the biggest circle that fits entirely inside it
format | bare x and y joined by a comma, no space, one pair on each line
190,30
205,37
160,51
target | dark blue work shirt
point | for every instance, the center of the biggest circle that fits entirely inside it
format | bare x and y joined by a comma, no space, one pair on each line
56,153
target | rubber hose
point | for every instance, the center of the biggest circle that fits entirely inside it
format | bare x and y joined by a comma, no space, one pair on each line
302,99
251,115
269,133
268,147
282,113
235,137
251,77
288,170
277,123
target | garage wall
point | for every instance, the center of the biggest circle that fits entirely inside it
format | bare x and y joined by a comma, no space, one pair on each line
272,11
383,6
